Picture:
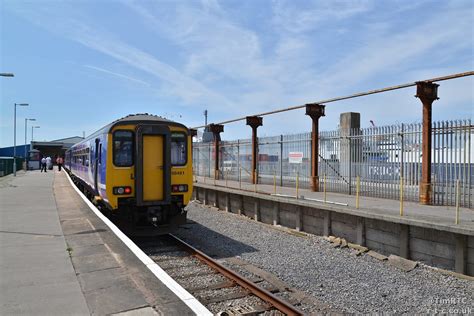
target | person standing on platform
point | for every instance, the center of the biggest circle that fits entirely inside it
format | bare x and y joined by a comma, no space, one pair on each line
43,164
59,162
49,164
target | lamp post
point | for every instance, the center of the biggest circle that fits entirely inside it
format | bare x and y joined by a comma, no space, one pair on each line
14,136
32,131
26,124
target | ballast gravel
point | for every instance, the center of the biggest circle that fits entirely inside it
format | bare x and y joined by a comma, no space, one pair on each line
334,276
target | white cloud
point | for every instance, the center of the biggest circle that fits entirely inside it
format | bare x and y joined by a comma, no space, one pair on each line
92,36
117,74
299,17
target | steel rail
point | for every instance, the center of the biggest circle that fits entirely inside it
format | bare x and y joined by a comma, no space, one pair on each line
355,95
263,294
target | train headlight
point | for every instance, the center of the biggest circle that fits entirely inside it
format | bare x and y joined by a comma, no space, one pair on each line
179,188
122,190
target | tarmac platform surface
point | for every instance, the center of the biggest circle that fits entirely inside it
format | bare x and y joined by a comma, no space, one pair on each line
58,258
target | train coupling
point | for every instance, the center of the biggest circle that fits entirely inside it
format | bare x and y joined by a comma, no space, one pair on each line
155,215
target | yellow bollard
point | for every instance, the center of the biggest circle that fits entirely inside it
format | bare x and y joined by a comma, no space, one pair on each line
401,196
458,193
297,183
357,192
274,182
325,196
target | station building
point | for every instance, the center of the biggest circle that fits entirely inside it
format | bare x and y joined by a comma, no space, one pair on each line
38,149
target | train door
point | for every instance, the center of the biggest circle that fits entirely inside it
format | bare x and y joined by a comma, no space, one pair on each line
153,165
96,165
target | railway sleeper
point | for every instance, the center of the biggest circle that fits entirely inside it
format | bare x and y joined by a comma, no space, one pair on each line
246,310
220,285
193,274
215,286
170,265
152,251
232,296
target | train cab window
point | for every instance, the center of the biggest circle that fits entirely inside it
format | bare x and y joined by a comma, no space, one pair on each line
123,148
178,149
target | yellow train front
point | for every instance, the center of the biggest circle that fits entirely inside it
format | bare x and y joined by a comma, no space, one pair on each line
138,169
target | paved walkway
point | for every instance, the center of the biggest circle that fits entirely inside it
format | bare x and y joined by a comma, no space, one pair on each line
58,258
36,273
443,215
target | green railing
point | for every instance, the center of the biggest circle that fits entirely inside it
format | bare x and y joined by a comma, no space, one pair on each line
6,165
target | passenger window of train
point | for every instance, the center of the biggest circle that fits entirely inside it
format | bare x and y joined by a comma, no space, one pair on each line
123,148
178,149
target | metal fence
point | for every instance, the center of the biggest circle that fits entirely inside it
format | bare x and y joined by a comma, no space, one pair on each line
6,165
381,159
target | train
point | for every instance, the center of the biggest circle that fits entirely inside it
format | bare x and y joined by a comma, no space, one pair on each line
138,170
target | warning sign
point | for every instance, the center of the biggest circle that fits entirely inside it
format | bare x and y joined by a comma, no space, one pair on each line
295,157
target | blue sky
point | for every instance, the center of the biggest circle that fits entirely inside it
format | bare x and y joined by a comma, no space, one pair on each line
82,64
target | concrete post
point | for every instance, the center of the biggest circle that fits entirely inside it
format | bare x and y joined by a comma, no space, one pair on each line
315,111
254,122
460,261
206,197
241,206
216,199
256,207
227,202
350,149
360,239
276,213
327,223
427,92
216,129
404,241
299,218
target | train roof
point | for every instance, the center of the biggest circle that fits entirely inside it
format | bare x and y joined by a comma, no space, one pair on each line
140,118
143,117
134,119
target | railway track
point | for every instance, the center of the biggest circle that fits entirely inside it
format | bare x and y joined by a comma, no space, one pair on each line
221,290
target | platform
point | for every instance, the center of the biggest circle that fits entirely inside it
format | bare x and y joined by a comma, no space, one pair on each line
425,233
378,207
58,258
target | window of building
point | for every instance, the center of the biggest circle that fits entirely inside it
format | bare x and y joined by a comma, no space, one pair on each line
178,149
123,148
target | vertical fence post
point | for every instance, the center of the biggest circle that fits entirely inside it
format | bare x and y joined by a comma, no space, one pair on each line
238,156
457,201
240,178
297,183
357,192
274,182
401,196
256,179
350,164
281,160
325,188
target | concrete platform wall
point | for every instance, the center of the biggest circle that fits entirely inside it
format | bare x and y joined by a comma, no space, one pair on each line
435,247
